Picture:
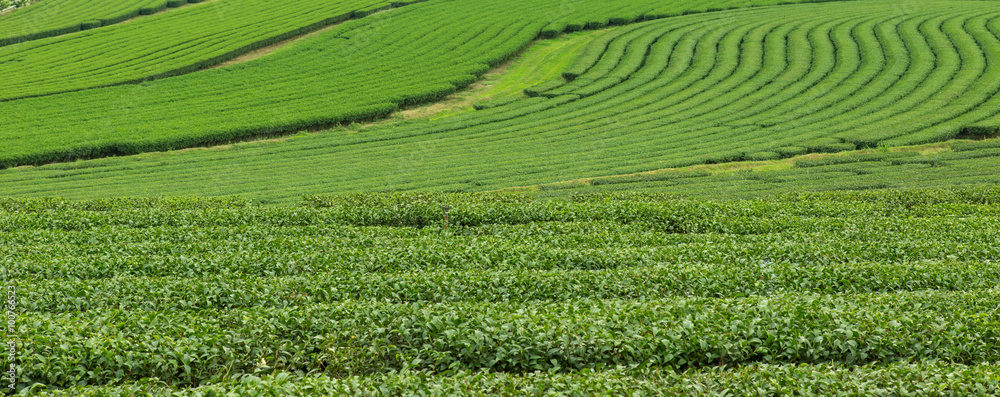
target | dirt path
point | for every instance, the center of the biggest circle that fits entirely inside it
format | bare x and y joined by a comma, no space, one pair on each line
264,51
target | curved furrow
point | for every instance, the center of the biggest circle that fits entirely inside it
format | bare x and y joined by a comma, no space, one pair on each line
673,78
600,119
622,58
595,50
665,72
779,50
649,116
744,141
868,77
679,67
912,95
577,129
898,64
845,57
764,68
979,110
798,76
735,72
859,115
960,95
948,63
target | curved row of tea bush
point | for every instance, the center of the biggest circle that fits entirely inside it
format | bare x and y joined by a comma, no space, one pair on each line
57,17
413,55
892,72
164,45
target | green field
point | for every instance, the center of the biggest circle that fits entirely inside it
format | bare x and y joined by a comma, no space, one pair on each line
169,44
363,69
57,17
628,288
500,198
929,166
831,79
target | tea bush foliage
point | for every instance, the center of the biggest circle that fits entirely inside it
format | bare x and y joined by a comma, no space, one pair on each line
625,293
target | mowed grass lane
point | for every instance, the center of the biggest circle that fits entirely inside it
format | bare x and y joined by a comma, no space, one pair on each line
959,163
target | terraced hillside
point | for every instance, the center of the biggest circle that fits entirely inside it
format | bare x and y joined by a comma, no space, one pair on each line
790,80
872,290
57,17
364,69
757,84
164,45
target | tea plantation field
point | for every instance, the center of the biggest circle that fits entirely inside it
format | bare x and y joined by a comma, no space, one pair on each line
635,294
500,198
761,83
164,45
360,70
57,17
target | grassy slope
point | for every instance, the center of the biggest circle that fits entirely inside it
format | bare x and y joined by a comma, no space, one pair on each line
950,163
544,60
